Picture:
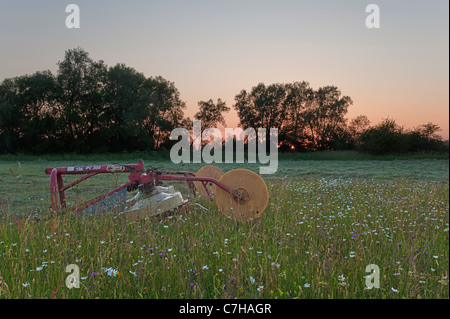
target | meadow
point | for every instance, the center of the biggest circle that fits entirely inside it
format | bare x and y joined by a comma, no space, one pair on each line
327,219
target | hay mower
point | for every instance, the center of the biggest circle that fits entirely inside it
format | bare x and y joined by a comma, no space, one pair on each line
239,194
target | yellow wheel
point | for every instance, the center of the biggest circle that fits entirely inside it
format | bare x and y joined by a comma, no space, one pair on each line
253,191
207,171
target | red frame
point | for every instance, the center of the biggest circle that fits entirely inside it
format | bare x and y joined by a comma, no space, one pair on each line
138,176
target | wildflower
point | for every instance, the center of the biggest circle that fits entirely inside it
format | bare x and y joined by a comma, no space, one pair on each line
394,290
273,264
205,267
252,280
355,235
307,285
232,279
111,271
191,284
26,284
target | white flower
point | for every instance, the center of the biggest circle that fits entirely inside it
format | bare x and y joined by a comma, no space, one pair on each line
111,271
26,284
394,290
252,280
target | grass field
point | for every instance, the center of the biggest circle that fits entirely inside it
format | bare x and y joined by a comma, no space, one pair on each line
327,219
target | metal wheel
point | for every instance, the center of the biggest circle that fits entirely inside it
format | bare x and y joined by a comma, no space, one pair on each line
207,171
253,191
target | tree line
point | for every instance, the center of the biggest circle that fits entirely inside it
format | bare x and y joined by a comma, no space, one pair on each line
90,107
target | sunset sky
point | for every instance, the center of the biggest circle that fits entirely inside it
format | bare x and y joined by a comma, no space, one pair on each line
214,49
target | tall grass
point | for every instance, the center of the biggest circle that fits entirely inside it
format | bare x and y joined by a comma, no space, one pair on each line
314,241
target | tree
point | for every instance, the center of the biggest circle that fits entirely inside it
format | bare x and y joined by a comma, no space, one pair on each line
425,138
164,109
298,96
211,113
356,128
125,110
304,118
26,119
386,137
81,100
263,107
324,117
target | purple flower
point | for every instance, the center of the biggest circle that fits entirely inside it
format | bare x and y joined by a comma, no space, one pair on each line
231,279
191,284
93,273
399,244
150,249
355,235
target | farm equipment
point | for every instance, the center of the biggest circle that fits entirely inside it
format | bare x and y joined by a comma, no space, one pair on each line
240,194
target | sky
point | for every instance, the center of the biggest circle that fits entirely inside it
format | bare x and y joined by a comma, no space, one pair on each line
214,49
